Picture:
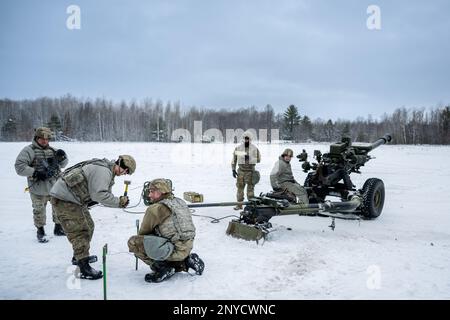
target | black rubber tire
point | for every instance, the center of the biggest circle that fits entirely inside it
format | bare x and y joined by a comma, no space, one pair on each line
373,198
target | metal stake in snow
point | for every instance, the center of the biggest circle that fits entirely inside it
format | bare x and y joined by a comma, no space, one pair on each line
137,232
105,251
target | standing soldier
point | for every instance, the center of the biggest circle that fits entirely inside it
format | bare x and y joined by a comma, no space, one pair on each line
79,187
166,236
246,155
41,164
282,179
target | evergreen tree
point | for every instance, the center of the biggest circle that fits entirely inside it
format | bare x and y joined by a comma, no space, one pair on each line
307,127
9,130
55,125
445,124
291,121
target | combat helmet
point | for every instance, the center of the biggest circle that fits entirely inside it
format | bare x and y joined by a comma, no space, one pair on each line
127,162
249,134
162,185
43,132
287,152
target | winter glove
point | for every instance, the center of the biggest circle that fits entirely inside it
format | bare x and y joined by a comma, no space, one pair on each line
60,155
234,174
123,201
40,175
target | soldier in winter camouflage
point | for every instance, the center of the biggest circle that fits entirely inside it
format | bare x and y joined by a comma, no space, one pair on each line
79,187
246,156
282,179
41,164
166,236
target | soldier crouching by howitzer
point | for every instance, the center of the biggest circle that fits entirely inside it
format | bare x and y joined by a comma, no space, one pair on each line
166,236
41,164
246,156
79,187
282,179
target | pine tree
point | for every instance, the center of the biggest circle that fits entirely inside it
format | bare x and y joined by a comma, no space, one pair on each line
9,130
55,125
307,127
291,121
445,124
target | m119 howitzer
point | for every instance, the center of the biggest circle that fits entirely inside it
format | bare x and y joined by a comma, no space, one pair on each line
324,176
323,180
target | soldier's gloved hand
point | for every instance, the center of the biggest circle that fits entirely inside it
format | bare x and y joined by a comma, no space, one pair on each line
234,174
40,175
123,201
60,155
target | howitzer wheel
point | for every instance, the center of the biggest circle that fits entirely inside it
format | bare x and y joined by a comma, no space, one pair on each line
373,198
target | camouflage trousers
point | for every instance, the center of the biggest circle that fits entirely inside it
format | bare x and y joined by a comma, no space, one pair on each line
181,251
297,190
39,204
78,225
244,178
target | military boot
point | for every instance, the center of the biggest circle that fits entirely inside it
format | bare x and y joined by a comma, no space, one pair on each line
162,272
238,207
92,259
194,262
58,231
41,236
87,272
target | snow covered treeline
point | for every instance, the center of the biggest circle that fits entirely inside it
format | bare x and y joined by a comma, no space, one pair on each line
148,120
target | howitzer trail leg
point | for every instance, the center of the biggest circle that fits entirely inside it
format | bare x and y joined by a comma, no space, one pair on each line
245,231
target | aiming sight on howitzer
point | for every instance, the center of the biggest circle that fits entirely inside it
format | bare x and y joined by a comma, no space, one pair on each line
323,179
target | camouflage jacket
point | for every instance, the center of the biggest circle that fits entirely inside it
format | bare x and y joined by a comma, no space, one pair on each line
34,157
281,172
246,158
97,181
169,218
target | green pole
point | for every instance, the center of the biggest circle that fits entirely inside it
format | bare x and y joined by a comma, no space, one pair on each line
137,232
105,251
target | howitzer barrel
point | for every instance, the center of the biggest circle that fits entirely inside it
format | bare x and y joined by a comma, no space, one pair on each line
216,204
383,140
327,206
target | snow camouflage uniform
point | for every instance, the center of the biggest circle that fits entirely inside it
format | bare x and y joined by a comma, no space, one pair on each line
32,158
80,186
246,158
170,219
281,178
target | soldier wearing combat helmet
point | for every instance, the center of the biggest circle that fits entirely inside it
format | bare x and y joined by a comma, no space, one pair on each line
41,164
79,187
166,235
282,179
245,157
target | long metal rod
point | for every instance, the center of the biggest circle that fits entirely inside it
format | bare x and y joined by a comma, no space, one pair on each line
137,232
217,204
105,251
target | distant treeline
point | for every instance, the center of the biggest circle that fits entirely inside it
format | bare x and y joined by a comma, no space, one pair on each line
103,120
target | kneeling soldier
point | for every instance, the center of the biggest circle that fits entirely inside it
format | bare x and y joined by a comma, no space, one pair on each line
166,236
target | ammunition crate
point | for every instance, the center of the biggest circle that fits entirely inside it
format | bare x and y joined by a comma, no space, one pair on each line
193,196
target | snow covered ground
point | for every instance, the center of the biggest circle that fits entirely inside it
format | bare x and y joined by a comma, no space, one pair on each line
404,254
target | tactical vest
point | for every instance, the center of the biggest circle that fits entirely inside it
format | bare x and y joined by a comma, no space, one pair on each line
178,226
246,158
76,180
44,157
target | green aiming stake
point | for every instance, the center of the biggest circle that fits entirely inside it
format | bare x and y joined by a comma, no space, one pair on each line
137,232
105,251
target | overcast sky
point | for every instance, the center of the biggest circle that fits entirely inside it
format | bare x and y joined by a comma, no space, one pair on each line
318,55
